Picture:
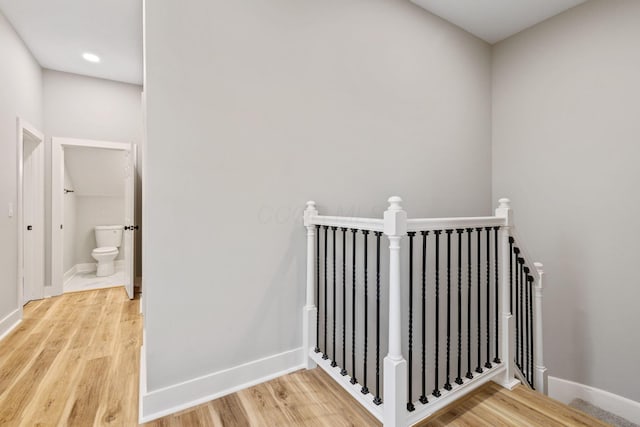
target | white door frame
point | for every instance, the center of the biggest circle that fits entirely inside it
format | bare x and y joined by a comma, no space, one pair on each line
37,158
57,187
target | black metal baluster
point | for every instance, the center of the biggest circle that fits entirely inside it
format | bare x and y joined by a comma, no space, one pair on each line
423,396
325,356
531,353
436,390
521,266
526,319
479,335
459,377
317,349
447,385
343,371
488,363
377,400
511,274
333,361
469,234
516,251
410,406
496,359
365,389
353,309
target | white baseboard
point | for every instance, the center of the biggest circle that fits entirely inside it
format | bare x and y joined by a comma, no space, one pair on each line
9,323
565,391
68,275
88,267
167,400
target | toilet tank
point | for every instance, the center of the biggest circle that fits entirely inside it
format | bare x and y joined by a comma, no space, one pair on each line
109,235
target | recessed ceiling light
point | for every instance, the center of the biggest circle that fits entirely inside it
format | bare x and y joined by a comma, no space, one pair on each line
91,57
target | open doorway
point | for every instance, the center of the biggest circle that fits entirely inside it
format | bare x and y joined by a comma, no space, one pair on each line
92,206
30,213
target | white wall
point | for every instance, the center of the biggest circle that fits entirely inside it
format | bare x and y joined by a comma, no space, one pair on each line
566,132
21,95
85,107
69,239
256,107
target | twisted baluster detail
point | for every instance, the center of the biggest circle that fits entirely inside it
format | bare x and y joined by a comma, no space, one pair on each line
325,356
531,353
353,308
488,329
377,400
479,334
333,361
343,371
423,397
447,385
410,406
496,359
459,377
436,390
317,349
365,389
469,375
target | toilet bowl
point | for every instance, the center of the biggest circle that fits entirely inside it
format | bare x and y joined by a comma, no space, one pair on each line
108,240
105,257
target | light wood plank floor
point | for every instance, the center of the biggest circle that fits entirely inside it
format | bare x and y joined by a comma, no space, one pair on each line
492,405
74,361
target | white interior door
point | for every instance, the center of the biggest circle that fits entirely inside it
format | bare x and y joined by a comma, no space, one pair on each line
129,219
31,270
57,216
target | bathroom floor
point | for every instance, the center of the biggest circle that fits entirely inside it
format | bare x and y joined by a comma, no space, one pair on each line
88,280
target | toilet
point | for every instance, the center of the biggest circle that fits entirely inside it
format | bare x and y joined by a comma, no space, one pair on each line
108,239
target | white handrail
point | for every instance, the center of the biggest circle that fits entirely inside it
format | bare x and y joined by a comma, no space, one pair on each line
424,224
371,224
528,259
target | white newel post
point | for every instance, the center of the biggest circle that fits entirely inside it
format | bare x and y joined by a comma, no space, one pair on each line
310,311
507,336
540,376
395,367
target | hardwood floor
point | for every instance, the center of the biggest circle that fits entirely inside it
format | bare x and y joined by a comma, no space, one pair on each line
304,398
492,405
74,361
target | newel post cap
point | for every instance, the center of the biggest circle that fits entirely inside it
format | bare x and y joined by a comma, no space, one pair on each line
394,203
539,267
395,219
504,211
309,212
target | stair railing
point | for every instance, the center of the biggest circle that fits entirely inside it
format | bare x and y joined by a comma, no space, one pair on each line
464,271
526,300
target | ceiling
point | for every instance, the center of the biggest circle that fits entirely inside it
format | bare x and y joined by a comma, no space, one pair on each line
58,32
495,20
96,172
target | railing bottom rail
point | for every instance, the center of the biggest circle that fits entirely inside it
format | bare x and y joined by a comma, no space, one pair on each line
344,381
449,396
